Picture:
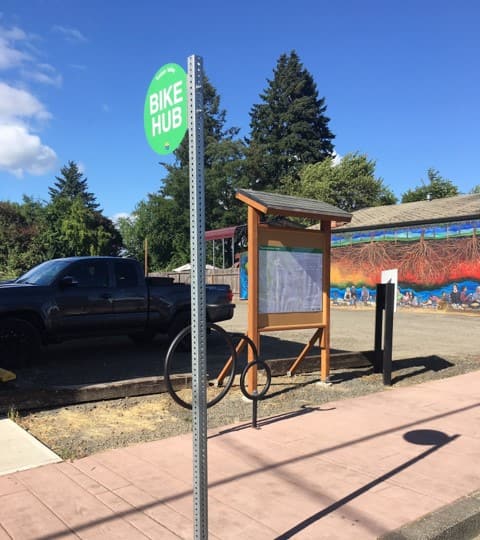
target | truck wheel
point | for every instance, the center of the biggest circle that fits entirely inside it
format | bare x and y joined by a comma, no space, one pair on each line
142,338
180,321
19,342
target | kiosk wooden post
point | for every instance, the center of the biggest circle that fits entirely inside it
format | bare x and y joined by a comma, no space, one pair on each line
308,252
325,338
253,222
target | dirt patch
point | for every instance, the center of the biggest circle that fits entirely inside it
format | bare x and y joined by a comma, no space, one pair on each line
81,430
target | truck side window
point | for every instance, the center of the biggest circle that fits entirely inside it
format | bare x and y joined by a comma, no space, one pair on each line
125,274
90,273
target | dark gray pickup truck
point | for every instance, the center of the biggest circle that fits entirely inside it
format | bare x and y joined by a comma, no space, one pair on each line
80,297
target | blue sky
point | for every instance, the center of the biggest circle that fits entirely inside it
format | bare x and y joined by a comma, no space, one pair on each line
401,82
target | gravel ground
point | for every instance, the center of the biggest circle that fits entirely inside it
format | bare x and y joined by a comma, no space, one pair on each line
423,350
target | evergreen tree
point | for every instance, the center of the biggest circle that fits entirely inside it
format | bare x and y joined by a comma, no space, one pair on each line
71,185
290,128
75,225
350,184
437,187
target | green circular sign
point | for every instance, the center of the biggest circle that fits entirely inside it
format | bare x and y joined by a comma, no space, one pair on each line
165,110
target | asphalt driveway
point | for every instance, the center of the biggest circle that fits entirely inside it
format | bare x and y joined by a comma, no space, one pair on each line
417,333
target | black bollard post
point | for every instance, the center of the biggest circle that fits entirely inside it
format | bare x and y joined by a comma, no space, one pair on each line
379,307
388,333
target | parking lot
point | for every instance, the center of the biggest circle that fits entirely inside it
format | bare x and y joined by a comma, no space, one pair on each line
417,333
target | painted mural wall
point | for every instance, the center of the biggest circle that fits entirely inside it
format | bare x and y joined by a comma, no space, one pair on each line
438,265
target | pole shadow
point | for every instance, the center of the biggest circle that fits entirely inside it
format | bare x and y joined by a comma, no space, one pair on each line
304,409
425,364
429,437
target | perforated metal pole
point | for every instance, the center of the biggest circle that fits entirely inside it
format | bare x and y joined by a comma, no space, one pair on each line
197,252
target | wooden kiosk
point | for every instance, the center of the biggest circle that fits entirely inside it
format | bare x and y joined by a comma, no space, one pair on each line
289,271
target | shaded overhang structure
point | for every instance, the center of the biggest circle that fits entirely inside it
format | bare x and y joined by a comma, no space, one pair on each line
221,234
298,315
286,205
225,234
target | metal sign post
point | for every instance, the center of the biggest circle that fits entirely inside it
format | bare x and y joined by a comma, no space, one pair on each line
198,296
165,123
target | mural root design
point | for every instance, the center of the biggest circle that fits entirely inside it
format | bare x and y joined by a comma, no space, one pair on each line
370,257
423,262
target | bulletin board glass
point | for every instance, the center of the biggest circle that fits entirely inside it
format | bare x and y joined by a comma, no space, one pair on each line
291,277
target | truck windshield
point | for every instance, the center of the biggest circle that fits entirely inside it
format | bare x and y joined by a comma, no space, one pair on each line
43,274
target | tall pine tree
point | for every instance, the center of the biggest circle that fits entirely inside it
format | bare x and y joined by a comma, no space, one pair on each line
71,185
289,129
75,225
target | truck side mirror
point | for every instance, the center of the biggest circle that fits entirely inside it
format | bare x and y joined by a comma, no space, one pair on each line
68,281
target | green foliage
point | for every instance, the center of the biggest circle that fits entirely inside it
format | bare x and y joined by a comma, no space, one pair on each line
156,221
72,185
21,230
437,187
289,129
75,226
69,224
350,185
475,189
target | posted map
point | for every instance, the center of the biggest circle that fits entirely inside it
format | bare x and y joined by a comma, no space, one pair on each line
290,279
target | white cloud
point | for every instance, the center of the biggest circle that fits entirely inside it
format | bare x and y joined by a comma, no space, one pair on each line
50,78
70,34
11,55
336,159
16,104
13,34
121,215
21,113
22,152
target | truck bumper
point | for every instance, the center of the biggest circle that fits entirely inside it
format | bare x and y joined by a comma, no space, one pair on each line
222,312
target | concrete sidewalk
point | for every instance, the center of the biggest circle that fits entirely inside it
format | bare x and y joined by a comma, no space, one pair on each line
20,451
356,468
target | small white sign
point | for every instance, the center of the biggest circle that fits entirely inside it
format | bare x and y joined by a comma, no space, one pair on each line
391,276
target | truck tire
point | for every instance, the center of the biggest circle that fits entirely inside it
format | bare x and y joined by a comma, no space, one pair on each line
19,342
180,321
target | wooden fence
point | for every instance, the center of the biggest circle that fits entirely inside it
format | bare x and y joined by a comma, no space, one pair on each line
229,276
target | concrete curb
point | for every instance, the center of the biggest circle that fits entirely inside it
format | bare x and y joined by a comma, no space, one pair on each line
460,519
21,398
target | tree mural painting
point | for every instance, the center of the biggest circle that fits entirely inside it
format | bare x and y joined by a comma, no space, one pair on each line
429,259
